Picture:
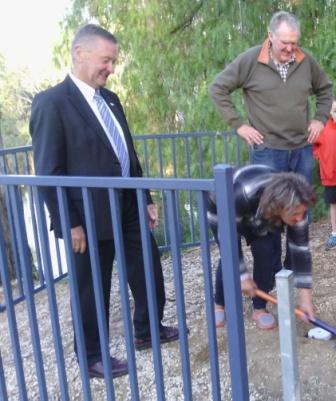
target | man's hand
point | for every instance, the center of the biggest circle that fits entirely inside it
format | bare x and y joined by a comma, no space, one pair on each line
248,286
314,129
305,302
250,134
78,239
153,215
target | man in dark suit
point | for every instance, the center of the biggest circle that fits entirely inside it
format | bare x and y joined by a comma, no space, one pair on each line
79,128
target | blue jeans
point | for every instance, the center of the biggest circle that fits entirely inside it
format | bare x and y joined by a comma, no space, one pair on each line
267,250
297,160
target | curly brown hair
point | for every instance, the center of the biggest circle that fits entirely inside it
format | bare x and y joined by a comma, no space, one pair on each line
286,191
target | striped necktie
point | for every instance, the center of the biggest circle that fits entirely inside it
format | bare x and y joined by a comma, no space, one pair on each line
119,145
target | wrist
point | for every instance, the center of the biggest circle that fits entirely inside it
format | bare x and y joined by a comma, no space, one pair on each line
245,276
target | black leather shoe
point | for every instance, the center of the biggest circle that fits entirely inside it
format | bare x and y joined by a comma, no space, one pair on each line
119,368
167,335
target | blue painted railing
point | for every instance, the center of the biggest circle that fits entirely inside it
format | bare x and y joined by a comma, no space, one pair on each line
180,163
221,184
183,155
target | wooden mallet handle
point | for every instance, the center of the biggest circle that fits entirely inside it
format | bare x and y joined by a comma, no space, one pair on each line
273,300
316,322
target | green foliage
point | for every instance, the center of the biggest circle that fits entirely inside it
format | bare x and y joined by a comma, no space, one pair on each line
172,50
17,89
170,53
13,109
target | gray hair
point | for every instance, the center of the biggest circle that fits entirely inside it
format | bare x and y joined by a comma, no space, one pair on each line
283,16
286,191
88,33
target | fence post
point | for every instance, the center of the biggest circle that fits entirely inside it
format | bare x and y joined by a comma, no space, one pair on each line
227,232
287,332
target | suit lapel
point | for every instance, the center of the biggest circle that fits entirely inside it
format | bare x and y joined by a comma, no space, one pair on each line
83,108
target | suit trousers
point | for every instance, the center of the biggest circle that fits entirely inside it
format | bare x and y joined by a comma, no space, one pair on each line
135,277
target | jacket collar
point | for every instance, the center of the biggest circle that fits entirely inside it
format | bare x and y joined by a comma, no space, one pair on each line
265,58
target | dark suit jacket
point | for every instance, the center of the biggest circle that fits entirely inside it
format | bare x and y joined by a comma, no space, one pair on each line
69,140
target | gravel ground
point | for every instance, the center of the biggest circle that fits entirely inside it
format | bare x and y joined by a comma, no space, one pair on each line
317,362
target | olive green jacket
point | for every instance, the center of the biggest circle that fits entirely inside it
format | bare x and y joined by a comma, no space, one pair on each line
278,110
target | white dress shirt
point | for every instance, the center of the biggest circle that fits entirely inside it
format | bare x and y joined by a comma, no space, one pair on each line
88,92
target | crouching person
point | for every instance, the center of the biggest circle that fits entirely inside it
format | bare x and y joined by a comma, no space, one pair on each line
267,201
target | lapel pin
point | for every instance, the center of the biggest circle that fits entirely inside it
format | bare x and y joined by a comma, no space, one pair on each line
111,104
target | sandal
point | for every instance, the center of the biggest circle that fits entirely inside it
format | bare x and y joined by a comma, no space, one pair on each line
264,320
219,316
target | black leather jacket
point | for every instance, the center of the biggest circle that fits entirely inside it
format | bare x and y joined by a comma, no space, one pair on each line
248,185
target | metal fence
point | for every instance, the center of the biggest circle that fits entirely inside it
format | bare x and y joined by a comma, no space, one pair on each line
39,260
183,155
33,383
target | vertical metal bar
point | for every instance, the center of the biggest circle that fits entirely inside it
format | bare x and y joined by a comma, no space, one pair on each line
16,167
98,290
123,286
287,331
200,155
208,288
164,209
238,150
151,293
187,156
3,165
7,289
178,152
213,139
25,163
174,157
191,218
36,239
48,273
179,211
9,208
146,158
165,219
3,389
175,240
156,166
21,234
227,232
226,149
60,269
160,157
75,305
